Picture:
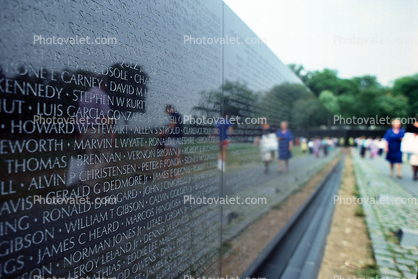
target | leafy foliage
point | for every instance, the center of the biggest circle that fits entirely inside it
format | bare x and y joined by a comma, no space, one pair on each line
361,96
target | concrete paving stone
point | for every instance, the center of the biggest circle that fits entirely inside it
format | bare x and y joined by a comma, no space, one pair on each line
381,251
403,268
400,250
412,257
385,264
409,275
383,257
377,239
398,256
380,246
376,184
378,243
385,261
405,261
384,271
373,226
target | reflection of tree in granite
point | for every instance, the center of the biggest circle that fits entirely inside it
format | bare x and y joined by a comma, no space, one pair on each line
294,103
283,97
236,98
309,113
288,101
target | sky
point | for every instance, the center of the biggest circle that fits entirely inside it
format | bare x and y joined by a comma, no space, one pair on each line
354,37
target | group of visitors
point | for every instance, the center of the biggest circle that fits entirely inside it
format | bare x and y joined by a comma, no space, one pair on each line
267,137
374,146
315,145
283,136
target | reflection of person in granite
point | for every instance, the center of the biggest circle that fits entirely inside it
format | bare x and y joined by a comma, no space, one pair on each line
173,134
96,101
285,138
224,130
263,140
317,145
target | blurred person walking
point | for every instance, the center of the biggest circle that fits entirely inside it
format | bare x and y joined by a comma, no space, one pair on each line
413,160
285,138
351,141
317,146
374,148
311,146
325,146
224,130
363,146
266,139
393,137
341,141
304,145
381,145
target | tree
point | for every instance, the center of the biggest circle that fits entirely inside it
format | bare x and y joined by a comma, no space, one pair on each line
278,102
393,106
299,71
408,87
329,101
319,81
366,82
309,113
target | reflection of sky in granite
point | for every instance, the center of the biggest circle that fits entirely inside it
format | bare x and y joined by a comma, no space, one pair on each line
145,37
251,64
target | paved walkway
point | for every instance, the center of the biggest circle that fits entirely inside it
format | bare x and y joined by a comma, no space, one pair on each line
384,219
406,182
251,181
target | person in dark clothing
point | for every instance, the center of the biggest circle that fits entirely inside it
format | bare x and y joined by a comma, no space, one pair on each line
363,147
393,137
285,139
